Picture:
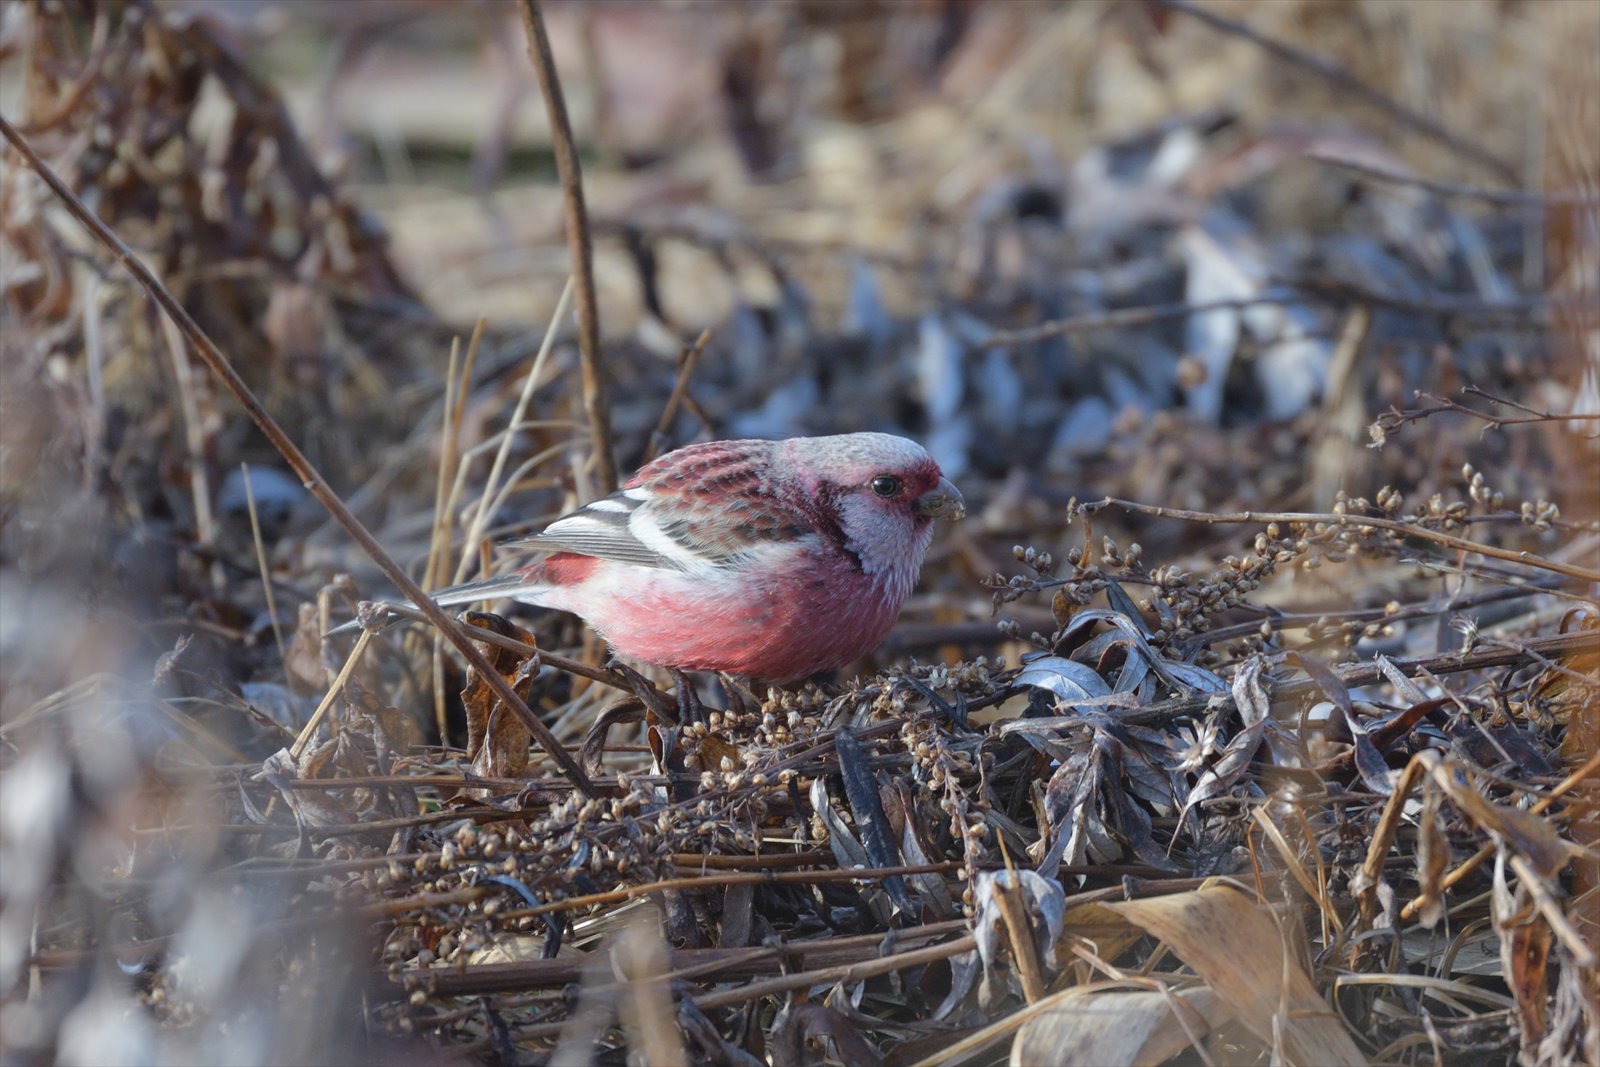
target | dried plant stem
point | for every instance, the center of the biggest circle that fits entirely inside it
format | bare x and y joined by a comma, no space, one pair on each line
513,480
439,539
318,486
1291,861
480,517
309,731
680,388
711,881
1120,318
1310,518
261,561
1532,310
579,242
715,964
846,974
1542,805
1503,197
194,437
1019,933
474,344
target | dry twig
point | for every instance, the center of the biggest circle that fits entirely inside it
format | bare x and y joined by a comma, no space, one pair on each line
579,242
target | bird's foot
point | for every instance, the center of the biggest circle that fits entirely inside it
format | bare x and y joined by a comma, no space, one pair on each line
690,709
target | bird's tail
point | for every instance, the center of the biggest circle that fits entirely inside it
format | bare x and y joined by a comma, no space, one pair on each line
515,585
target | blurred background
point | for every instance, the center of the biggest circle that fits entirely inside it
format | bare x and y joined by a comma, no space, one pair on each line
976,224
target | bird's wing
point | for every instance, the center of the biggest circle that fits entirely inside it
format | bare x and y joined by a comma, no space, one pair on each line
609,528
693,510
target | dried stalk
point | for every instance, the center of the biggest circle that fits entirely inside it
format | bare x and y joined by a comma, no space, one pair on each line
212,356
1309,518
581,244
680,389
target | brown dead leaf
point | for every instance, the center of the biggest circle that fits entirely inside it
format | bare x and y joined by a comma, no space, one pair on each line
302,660
314,807
393,732
497,740
1236,946
714,750
1525,940
1117,1027
1106,933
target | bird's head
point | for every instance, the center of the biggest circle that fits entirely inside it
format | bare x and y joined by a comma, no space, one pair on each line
880,493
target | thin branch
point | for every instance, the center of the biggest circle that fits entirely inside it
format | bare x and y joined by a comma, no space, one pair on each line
579,242
1527,312
1133,316
1524,312
481,516
261,562
722,880
1357,522
1504,197
680,389
712,964
1394,419
318,486
1343,80
842,975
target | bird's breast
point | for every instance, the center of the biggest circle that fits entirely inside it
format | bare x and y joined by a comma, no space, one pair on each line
781,622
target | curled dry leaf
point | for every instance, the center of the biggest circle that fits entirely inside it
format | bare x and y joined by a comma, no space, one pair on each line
497,740
1240,950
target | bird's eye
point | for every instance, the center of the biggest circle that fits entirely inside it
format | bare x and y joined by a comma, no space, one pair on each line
886,485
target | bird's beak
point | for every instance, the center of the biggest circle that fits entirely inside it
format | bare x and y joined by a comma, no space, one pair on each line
942,502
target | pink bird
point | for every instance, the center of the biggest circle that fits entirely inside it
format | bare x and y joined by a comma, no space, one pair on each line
772,559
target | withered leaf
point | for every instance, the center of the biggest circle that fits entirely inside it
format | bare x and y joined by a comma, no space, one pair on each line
1433,857
393,732
497,740
861,789
302,659
1525,940
627,709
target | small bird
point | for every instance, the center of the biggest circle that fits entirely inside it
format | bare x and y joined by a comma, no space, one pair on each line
769,559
